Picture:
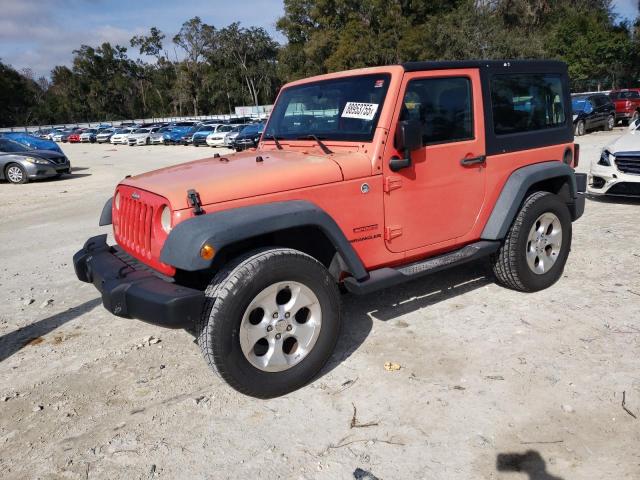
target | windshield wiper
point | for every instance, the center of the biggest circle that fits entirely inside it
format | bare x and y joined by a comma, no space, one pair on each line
318,141
269,136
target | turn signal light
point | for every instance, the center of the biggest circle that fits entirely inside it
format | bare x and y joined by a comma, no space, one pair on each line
207,252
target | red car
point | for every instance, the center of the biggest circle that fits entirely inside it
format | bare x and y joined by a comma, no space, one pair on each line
627,102
74,137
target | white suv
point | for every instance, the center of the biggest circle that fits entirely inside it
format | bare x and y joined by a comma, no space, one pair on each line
617,171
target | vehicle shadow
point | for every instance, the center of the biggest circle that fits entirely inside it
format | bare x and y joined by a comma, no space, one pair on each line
14,341
529,462
615,200
78,169
358,312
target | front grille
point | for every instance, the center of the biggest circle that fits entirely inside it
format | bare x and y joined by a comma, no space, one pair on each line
625,189
134,226
628,164
58,160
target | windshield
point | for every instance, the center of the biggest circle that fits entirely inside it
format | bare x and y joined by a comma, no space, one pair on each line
224,128
624,95
342,109
578,104
142,130
12,147
206,128
253,128
164,129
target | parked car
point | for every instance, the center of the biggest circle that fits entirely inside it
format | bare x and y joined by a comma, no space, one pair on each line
74,137
617,171
31,141
63,136
104,136
120,136
254,246
141,136
248,137
177,132
199,137
157,137
88,135
591,111
217,137
627,102
20,163
187,138
231,136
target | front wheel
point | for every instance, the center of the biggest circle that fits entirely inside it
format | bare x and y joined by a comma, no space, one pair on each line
535,250
16,173
611,123
270,322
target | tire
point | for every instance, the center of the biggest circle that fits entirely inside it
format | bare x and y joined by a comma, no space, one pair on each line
226,323
514,265
610,123
635,117
580,128
16,174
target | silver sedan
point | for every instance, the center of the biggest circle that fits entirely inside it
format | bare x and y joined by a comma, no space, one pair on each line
19,163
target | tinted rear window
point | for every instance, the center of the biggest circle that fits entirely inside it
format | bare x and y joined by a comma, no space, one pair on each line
527,102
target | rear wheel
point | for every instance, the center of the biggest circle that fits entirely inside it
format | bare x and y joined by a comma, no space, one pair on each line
580,128
15,173
270,322
535,250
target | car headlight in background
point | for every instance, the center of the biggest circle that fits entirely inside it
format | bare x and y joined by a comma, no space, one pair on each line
165,219
606,158
36,160
575,117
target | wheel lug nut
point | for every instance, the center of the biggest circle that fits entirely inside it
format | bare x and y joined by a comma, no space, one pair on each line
269,328
275,315
289,327
287,315
278,336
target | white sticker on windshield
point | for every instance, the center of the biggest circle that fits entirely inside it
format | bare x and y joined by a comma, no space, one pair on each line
363,111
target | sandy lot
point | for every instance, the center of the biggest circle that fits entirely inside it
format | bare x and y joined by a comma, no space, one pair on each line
486,372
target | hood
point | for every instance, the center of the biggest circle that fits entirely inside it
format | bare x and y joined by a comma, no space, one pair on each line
240,177
629,142
49,154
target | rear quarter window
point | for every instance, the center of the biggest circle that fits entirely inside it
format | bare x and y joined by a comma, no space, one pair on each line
527,102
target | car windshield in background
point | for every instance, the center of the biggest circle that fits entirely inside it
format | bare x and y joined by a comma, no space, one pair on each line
164,129
10,146
225,128
142,130
624,95
342,109
254,128
578,104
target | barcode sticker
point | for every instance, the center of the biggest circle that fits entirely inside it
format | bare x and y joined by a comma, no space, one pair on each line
363,111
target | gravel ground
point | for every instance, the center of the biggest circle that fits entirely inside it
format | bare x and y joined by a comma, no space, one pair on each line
493,384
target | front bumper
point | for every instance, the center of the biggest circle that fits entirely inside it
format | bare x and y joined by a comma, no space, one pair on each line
131,291
608,180
36,170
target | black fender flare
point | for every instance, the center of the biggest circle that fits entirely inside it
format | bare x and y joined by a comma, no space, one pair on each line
226,227
517,186
105,216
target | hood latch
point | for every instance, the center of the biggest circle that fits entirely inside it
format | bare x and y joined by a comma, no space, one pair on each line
193,197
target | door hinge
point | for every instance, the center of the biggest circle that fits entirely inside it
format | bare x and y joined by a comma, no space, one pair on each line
392,232
392,183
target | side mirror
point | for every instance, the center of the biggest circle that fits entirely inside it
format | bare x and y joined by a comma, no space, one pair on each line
408,139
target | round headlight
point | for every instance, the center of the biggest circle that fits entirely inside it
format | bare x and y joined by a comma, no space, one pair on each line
116,201
165,219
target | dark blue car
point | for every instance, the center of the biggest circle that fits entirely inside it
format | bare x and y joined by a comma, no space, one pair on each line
248,137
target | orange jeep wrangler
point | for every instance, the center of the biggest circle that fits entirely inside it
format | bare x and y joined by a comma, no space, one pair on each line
364,179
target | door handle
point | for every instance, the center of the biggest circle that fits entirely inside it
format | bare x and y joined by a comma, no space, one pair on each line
469,162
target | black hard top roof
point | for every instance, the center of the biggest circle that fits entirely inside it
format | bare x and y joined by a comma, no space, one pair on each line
548,65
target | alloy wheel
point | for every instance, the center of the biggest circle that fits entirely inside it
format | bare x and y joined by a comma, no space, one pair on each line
280,326
544,243
15,174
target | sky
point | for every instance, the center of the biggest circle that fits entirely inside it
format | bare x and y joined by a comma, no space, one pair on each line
39,34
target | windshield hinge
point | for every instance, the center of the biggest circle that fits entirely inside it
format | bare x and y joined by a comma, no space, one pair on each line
193,198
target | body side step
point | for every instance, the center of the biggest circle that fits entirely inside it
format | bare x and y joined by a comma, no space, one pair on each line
388,277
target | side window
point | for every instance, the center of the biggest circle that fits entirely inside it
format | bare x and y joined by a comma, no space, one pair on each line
443,107
527,102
